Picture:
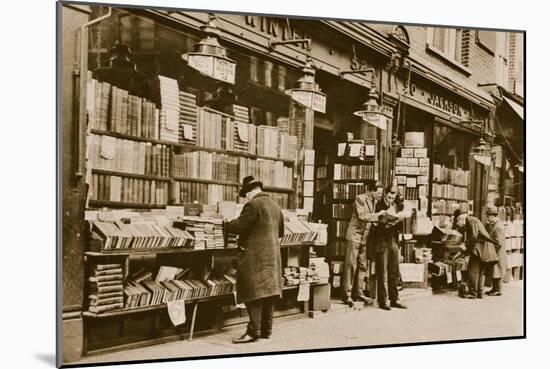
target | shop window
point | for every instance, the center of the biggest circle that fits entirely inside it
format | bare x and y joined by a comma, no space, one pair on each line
451,148
446,42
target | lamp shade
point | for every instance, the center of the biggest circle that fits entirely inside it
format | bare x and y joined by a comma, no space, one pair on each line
209,57
482,152
306,91
373,113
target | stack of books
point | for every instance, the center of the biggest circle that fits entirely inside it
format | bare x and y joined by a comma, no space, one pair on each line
297,231
188,192
188,118
287,146
457,177
139,234
244,134
166,93
208,232
267,140
106,288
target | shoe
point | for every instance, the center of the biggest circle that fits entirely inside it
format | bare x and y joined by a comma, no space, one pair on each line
245,338
469,296
365,299
479,295
398,305
494,293
265,335
490,292
348,301
384,307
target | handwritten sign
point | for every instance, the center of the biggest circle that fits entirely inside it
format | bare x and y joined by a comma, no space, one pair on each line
303,292
176,311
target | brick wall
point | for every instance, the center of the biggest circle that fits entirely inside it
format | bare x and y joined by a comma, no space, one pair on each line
481,62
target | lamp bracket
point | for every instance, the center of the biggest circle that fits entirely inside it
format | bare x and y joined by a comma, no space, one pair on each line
356,71
301,41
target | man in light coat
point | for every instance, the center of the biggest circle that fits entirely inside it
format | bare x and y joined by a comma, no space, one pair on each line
495,227
259,278
355,258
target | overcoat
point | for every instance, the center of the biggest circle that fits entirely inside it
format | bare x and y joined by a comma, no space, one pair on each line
496,231
382,235
361,219
479,242
259,227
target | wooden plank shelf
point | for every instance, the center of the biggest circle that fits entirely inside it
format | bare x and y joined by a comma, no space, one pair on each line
448,198
354,180
452,184
303,244
160,250
188,147
132,175
277,189
125,205
126,311
207,181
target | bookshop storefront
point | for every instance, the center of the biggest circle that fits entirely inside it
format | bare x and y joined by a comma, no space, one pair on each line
159,136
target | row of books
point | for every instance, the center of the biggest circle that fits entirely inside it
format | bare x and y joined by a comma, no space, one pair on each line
340,228
297,231
206,165
513,228
322,172
126,156
149,292
412,162
113,109
128,190
342,211
448,206
443,267
450,191
270,172
347,190
140,234
188,192
413,193
514,243
294,275
189,115
207,232
452,176
414,254
354,172
106,288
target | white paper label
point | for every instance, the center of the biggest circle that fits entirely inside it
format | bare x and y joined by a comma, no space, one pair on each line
303,292
176,311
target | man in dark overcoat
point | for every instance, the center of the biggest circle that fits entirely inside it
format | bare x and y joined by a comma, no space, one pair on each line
495,227
480,247
259,279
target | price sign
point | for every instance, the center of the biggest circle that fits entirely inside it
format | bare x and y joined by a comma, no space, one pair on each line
224,70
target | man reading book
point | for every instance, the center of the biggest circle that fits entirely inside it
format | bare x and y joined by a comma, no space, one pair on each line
355,259
385,250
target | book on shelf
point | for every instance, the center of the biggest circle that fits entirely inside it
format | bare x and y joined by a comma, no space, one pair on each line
105,187
105,289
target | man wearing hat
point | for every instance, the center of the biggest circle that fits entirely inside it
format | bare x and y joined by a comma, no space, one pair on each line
496,230
480,247
259,279
355,259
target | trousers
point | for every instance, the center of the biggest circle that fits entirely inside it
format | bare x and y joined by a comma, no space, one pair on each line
260,314
355,269
387,270
477,270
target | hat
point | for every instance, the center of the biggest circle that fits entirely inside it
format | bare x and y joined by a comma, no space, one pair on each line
249,183
492,210
458,212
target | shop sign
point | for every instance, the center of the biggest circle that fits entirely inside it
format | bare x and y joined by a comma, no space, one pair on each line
437,101
278,29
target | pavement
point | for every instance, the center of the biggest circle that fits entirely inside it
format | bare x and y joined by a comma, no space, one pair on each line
429,318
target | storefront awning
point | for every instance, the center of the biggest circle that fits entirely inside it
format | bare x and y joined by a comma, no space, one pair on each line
515,106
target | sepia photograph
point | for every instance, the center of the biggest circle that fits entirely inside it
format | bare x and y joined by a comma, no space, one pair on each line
234,184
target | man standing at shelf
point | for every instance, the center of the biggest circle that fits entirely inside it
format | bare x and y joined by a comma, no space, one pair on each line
480,247
355,257
259,279
496,231
385,250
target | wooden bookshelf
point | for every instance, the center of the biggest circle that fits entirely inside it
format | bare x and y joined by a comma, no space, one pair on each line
131,175
356,180
125,205
206,181
126,311
448,198
153,251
